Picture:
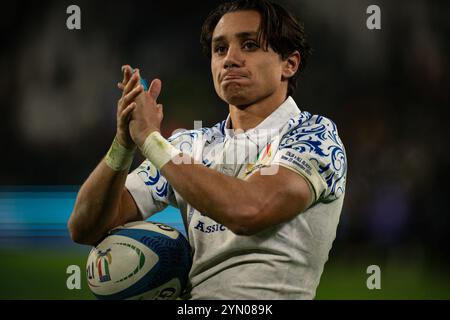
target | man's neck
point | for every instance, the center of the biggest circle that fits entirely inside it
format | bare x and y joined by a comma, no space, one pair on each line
250,116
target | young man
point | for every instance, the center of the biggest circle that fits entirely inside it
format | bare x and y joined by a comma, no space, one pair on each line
260,192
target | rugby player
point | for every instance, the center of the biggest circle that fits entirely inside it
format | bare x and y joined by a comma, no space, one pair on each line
260,193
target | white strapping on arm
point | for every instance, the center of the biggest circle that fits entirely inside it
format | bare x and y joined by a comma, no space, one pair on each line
158,150
118,157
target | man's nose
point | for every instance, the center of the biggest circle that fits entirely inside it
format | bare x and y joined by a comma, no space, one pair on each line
233,58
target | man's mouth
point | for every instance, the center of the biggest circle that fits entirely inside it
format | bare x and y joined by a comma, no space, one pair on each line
233,76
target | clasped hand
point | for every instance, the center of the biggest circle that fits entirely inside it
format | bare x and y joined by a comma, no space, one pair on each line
138,113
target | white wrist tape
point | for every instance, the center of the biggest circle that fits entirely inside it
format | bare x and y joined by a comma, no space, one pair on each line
118,157
158,150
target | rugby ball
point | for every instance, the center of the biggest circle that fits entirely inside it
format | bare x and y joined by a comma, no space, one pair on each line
139,260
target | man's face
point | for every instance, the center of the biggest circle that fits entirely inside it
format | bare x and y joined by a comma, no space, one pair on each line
242,71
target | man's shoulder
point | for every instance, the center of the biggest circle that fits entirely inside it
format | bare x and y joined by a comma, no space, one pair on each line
311,133
305,121
315,139
310,126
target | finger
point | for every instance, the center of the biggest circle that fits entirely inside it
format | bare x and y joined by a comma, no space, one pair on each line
132,95
126,113
124,67
155,88
127,99
127,74
131,83
160,109
126,70
120,86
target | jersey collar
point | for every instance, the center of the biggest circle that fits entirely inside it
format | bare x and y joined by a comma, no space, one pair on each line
274,122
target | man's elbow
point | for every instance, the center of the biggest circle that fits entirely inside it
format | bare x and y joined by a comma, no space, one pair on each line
247,223
75,233
242,230
78,235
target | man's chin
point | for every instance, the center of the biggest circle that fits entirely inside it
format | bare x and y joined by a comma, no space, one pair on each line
240,102
236,97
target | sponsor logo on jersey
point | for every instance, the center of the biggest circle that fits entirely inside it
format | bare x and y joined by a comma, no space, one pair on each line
201,226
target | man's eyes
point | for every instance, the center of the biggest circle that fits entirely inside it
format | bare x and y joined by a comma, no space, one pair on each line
219,49
250,45
246,46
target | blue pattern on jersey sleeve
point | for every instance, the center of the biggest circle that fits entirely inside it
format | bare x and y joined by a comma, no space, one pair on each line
317,139
155,181
197,141
184,140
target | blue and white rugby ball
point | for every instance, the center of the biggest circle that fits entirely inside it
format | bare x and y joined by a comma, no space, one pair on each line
140,260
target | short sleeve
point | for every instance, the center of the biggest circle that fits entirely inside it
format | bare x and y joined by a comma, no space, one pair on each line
312,148
149,189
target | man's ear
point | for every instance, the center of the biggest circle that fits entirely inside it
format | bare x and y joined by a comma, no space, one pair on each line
291,65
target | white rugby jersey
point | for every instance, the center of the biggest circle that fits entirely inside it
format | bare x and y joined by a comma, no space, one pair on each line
284,261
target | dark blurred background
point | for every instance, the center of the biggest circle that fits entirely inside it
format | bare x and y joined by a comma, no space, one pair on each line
387,90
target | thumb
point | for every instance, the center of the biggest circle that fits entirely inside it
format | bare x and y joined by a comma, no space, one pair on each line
155,88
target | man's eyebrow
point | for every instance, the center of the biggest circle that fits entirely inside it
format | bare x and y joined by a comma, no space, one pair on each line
240,35
247,34
218,39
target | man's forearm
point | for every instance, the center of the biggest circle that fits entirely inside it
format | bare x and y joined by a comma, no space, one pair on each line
227,200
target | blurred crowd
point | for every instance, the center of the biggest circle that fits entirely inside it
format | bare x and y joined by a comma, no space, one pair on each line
387,90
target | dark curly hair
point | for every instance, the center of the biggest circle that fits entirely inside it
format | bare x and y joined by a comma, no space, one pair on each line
279,29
